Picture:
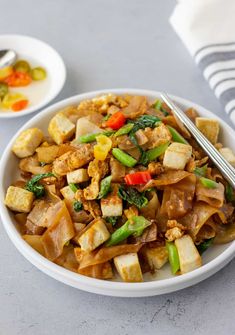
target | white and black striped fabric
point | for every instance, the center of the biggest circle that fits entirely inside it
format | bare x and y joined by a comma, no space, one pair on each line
207,28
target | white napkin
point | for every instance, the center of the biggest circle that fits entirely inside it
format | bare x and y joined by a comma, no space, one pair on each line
207,28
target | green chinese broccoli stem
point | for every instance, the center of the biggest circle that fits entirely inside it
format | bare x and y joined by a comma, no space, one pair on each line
208,183
73,187
105,187
135,226
92,137
154,153
124,130
200,171
176,136
124,158
173,257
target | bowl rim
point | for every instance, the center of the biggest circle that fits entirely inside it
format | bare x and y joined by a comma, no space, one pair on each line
112,288
60,85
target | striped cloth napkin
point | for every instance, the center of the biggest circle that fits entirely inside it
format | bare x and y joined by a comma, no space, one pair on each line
207,29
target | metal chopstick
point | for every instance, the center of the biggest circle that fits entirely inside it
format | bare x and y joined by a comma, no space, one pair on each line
225,168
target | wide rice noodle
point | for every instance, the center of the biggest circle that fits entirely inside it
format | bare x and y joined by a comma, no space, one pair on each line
104,254
151,209
199,216
212,196
177,199
59,232
168,178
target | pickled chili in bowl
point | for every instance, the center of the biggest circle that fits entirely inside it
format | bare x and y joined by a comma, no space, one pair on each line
12,79
120,187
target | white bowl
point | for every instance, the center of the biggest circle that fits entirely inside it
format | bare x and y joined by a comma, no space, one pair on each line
213,259
38,53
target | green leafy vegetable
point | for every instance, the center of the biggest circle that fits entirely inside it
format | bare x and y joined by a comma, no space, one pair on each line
124,158
124,130
176,136
141,123
135,226
173,257
77,206
229,193
34,186
112,219
73,187
132,196
154,153
200,171
204,245
105,187
208,182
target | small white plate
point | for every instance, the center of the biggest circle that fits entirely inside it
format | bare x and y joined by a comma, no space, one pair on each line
37,53
162,282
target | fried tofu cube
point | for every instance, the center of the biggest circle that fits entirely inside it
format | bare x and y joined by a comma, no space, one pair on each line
67,193
77,176
111,205
177,155
94,236
47,154
209,128
19,199
156,257
61,128
228,154
27,142
128,267
189,256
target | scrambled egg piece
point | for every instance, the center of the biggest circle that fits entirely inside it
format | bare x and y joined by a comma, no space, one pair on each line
175,230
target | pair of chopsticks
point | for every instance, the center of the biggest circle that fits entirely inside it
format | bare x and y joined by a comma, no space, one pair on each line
225,168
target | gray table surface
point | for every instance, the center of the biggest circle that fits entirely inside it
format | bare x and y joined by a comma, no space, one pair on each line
108,44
